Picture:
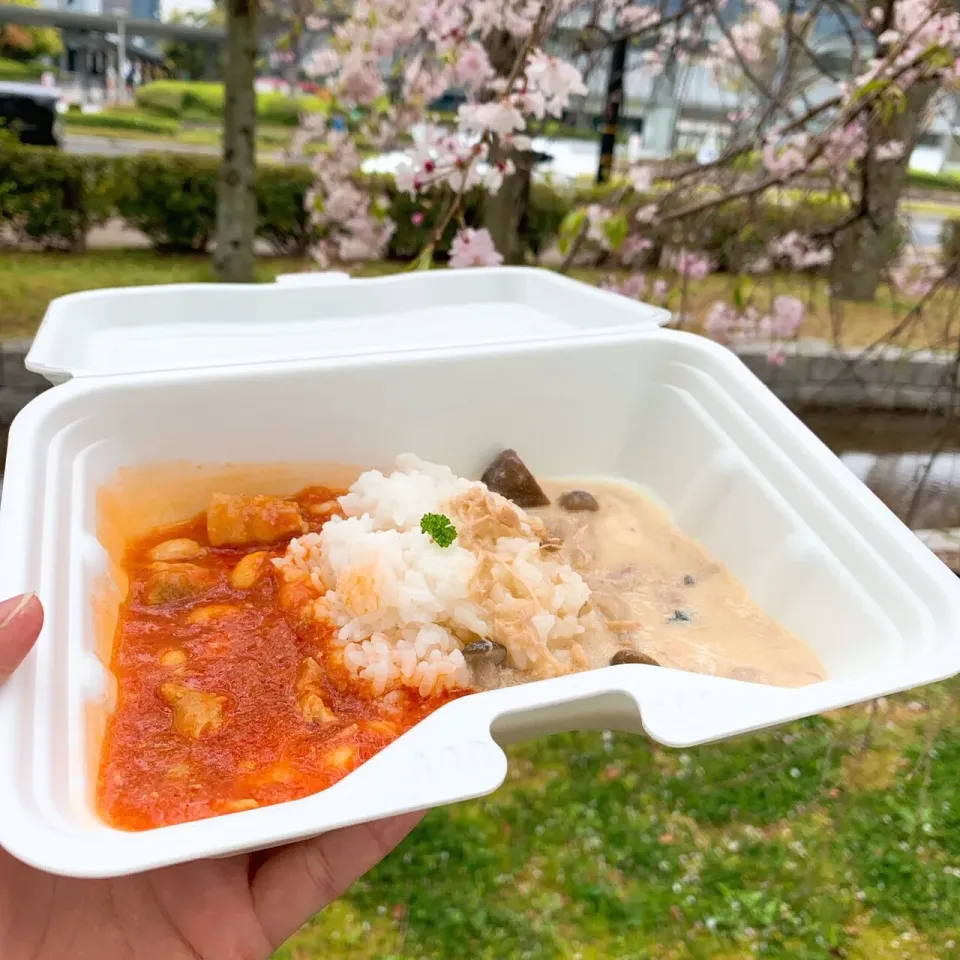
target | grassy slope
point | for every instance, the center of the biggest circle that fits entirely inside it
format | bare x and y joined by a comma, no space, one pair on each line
833,837
28,281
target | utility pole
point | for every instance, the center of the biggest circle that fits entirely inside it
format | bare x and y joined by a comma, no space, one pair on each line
611,112
121,14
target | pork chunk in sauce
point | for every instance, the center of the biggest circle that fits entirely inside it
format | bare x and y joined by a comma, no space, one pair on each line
195,712
171,582
309,692
236,519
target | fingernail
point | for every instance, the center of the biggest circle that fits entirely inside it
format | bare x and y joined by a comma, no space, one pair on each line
17,610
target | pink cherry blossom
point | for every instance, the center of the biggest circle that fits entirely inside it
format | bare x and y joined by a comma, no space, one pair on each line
800,251
689,263
641,178
787,158
646,214
634,287
914,275
633,247
498,116
777,358
721,321
768,14
474,248
891,150
472,68
556,79
787,317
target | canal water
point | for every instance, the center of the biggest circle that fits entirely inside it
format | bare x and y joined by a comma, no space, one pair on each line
910,461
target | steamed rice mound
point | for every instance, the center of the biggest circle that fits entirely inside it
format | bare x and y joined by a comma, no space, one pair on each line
404,607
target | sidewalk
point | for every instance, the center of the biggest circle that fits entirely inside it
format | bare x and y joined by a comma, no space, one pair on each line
115,234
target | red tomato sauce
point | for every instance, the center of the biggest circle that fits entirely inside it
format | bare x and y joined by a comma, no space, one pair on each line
264,751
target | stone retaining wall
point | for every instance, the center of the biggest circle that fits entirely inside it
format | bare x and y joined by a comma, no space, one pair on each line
815,374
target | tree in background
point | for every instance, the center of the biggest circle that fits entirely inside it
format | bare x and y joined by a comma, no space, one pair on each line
804,127
28,43
236,202
189,61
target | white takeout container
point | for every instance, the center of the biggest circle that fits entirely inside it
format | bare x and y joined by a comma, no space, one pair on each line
453,366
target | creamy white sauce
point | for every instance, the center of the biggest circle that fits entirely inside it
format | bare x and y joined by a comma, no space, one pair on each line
636,561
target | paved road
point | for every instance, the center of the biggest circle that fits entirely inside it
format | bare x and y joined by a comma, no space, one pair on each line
108,147
83,145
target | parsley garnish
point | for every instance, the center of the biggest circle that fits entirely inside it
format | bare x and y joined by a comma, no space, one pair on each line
438,528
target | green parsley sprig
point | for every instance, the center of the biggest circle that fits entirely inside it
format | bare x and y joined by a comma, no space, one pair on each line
438,528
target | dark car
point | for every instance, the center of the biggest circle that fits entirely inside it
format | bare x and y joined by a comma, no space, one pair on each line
449,101
29,111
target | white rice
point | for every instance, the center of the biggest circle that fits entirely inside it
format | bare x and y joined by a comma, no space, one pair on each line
405,606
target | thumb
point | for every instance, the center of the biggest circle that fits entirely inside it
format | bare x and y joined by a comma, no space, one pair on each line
20,621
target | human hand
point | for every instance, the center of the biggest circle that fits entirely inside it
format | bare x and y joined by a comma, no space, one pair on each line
241,908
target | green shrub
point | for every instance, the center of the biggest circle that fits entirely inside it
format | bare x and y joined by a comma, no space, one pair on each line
19,71
172,198
204,102
120,119
281,214
52,198
163,98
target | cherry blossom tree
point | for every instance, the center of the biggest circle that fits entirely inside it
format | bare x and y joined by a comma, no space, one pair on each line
803,124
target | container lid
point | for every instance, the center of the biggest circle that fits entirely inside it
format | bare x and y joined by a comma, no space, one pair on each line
183,326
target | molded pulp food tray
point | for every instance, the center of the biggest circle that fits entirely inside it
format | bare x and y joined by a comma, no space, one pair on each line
673,412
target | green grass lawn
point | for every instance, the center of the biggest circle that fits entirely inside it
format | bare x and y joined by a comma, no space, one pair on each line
837,837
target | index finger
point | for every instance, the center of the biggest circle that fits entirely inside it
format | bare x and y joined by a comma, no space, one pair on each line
21,619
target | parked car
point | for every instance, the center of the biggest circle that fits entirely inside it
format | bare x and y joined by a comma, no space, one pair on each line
29,111
449,101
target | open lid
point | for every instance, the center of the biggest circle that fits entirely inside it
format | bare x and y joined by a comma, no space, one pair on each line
181,326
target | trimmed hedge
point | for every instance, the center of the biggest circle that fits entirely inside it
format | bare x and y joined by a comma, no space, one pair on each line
19,71
186,99
53,198
119,119
172,198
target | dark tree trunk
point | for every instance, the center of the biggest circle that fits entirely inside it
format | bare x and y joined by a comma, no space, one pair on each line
867,244
504,211
236,202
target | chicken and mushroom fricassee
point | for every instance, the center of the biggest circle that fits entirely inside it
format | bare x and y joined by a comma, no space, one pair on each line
270,645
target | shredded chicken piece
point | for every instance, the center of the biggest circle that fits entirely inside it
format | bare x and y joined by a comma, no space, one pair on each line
308,687
195,712
484,517
177,581
238,519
